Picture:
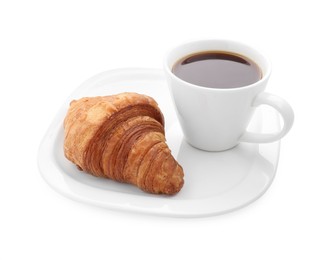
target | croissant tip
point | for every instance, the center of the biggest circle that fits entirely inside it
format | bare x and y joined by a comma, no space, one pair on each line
173,186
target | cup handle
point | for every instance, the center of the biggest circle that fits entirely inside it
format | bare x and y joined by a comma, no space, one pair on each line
282,107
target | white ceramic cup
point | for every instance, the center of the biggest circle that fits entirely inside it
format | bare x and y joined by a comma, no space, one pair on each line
215,119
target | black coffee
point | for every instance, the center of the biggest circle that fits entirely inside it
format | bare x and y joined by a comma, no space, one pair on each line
216,69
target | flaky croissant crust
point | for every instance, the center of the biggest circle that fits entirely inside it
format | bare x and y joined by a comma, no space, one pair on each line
122,137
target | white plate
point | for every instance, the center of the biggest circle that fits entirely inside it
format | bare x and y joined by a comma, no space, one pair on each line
215,182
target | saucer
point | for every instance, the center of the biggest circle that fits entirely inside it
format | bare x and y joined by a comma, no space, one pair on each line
215,182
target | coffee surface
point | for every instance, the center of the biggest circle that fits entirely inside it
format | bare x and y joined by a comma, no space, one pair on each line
216,69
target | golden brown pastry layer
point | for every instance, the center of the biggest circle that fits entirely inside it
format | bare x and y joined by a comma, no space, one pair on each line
122,137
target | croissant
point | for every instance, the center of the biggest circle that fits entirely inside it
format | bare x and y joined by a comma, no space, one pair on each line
122,137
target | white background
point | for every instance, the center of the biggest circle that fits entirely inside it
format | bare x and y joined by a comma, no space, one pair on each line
48,48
